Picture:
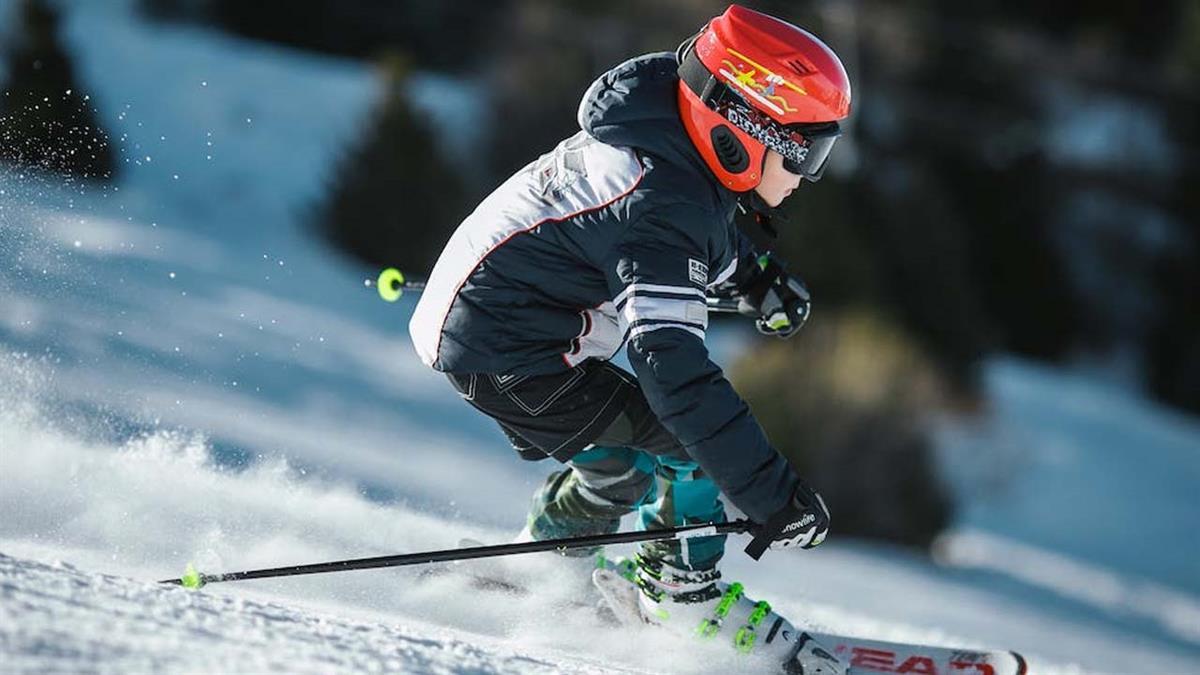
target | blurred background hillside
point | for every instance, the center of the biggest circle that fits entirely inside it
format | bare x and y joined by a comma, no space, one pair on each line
1016,179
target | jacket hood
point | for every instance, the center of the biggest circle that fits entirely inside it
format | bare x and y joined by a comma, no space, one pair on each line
634,105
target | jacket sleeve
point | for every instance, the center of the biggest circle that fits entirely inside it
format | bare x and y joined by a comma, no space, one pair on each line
657,275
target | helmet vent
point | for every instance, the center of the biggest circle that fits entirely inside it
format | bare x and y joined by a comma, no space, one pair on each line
730,151
799,67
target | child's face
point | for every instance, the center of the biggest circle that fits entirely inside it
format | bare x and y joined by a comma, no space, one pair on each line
777,182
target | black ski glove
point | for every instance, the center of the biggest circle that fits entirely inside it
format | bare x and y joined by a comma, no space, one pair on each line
779,299
803,523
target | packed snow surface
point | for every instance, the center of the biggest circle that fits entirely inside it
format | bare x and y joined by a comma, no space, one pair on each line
59,619
186,374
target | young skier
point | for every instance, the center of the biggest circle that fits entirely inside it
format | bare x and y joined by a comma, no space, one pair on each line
614,238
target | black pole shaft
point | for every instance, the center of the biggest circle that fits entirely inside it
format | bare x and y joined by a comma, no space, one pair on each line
684,532
716,303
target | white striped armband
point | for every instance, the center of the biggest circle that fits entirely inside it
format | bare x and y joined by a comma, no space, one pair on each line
643,308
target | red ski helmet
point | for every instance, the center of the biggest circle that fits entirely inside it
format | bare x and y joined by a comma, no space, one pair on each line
748,82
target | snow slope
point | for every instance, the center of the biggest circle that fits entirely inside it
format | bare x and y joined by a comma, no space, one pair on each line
186,375
143,508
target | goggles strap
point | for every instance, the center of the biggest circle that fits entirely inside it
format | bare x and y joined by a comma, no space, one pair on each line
695,75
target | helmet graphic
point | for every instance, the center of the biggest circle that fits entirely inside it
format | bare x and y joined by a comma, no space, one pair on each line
749,82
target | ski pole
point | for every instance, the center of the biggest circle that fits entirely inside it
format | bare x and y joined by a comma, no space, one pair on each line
722,303
392,284
194,579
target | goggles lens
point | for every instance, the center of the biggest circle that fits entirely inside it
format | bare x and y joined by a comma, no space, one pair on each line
812,166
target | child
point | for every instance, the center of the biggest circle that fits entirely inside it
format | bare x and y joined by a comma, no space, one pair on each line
613,239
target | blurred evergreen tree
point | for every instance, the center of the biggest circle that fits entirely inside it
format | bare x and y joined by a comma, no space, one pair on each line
848,403
1172,354
392,200
46,120
967,119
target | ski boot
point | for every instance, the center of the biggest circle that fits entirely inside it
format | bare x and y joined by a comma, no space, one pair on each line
556,513
700,604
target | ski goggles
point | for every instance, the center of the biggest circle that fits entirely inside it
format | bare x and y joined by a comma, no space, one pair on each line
805,148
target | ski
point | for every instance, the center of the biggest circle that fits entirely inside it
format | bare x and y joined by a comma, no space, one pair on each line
875,656
858,654
611,578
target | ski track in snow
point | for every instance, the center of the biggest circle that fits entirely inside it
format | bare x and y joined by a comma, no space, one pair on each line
167,395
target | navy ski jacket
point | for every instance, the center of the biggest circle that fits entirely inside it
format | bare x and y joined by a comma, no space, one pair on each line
612,238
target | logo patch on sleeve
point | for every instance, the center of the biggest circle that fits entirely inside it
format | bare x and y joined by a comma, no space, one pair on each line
697,272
